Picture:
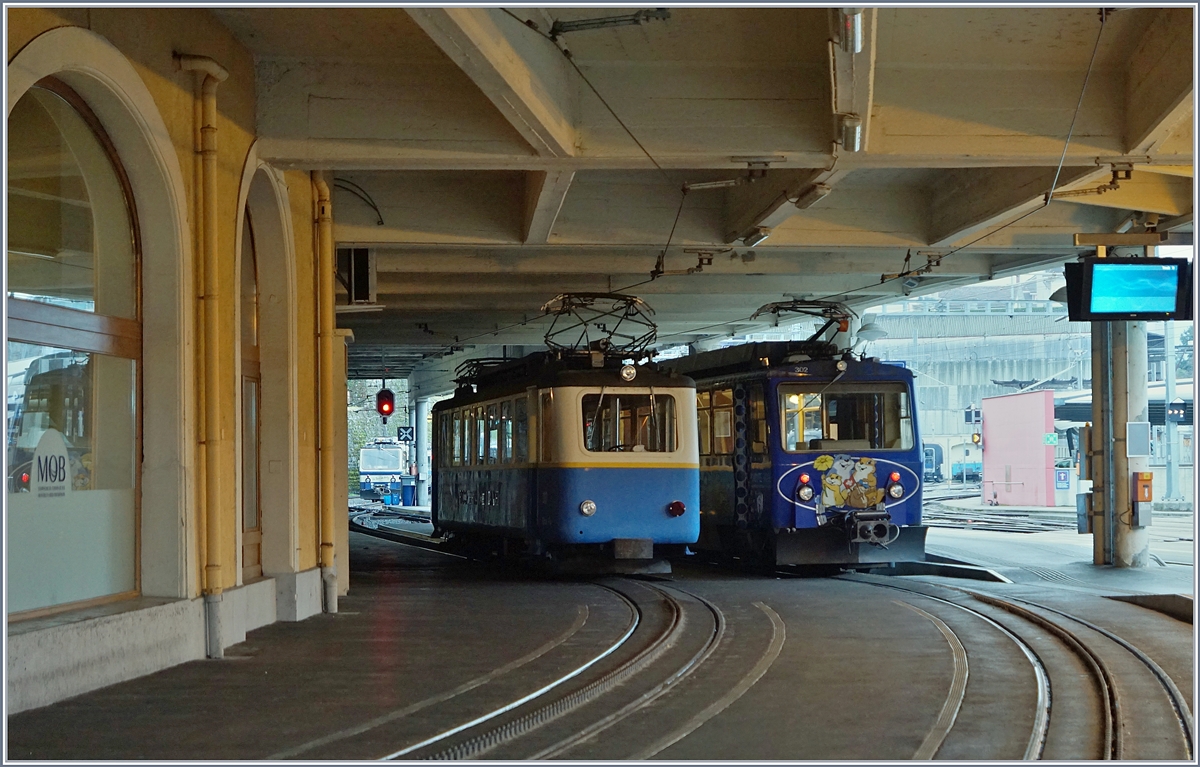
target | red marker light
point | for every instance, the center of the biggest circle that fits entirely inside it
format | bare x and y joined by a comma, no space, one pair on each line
804,479
25,476
895,476
676,508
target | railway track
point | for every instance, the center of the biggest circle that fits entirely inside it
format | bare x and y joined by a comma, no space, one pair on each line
1141,711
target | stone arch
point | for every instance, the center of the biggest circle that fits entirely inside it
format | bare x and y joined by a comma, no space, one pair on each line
264,193
115,92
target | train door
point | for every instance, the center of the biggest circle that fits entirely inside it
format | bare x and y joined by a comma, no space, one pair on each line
748,448
251,388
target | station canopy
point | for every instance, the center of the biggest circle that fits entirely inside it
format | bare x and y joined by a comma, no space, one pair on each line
865,156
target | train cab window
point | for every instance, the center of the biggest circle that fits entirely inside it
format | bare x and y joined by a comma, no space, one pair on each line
875,417
619,421
493,435
722,421
704,421
457,451
506,432
521,429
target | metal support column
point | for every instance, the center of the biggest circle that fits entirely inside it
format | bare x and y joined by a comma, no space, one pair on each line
1130,404
1101,463
1171,428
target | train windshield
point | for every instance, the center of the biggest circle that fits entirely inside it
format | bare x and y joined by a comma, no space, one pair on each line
846,417
380,459
616,420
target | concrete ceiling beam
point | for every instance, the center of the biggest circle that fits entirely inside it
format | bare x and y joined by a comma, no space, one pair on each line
524,76
545,192
1159,84
971,200
769,201
854,75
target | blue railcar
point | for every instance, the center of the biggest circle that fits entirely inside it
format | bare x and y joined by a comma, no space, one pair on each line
552,456
933,462
807,457
382,467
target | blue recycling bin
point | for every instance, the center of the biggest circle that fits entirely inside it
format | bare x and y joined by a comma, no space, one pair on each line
407,493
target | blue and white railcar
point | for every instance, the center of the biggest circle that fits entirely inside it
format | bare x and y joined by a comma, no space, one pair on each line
550,455
382,466
807,457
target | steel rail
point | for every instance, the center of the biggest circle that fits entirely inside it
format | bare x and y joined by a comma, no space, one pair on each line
655,692
635,620
1178,701
488,740
958,687
1041,720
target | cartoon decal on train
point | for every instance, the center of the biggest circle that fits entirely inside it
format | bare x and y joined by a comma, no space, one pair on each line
848,482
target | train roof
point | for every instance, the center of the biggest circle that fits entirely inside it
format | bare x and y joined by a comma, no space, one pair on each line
486,379
759,359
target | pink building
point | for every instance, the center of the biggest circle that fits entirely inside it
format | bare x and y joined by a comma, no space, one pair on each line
1018,464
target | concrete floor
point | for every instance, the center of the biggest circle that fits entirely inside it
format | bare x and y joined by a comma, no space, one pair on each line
858,675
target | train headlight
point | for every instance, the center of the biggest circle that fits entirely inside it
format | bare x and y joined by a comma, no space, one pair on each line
842,365
805,493
628,373
896,490
676,508
587,508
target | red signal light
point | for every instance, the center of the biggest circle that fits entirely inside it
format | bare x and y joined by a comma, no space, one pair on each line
804,479
895,476
24,476
385,403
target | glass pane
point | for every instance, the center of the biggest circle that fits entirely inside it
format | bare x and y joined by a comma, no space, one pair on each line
70,241
506,428
618,421
876,418
480,436
493,434
249,454
457,431
522,427
704,431
72,448
249,285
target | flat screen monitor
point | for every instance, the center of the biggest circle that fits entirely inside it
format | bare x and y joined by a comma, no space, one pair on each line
1129,289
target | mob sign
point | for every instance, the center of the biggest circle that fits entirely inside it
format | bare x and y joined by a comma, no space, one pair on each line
50,468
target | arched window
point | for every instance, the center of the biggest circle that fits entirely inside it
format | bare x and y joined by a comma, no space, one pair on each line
73,350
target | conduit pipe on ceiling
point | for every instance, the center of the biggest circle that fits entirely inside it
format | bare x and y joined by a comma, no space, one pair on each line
209,74
325,440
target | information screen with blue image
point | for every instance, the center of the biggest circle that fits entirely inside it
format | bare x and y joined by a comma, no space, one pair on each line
1134,288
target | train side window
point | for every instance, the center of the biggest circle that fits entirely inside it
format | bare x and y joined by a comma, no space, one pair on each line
758,417
615,421
480,436
722,421
506,432
521,425
493,435
704,421
457,451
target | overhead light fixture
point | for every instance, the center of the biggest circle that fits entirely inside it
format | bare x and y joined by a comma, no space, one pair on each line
851,30
757,235
851,133
815,194
357,308
715,184
871,332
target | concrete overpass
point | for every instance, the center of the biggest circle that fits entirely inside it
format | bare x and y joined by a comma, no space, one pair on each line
486,171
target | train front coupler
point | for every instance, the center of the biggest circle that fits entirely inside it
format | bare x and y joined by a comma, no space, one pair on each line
873,526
